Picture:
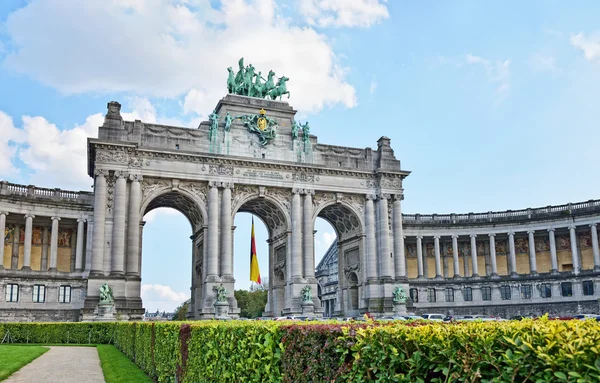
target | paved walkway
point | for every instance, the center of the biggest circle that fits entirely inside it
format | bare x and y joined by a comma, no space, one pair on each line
62,364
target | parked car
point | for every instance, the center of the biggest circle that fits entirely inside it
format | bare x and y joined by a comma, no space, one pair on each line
434,317
586,316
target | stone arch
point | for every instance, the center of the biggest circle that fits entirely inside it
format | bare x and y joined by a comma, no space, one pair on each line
269,209
343,217
184,201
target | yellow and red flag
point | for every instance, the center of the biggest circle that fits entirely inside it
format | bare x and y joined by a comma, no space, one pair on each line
254,271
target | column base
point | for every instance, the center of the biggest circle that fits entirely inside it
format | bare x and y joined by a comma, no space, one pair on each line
402,278
533,273
457,276
96,273
495,275
53,270
79,270
475,276
596,268
25,268
116,274
514,275
439,277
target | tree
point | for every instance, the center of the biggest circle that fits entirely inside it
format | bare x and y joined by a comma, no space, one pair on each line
181,311
251,303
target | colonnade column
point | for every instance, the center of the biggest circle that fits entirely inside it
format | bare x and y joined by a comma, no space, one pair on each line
44,262
212,264
455,255
54,244
296,235
532,260
27,242
419,256
385,269
308,229
133,227
118,231
3,215
438,262
99,221
226,233
371,240
493,254
79,245
574,252
399,256
595,249
553,257
474,255
512,257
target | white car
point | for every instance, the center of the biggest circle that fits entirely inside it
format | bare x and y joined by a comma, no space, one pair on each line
433,317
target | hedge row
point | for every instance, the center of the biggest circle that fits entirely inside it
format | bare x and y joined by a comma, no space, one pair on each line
526,351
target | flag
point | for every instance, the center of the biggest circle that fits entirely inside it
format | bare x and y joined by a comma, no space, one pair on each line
254,271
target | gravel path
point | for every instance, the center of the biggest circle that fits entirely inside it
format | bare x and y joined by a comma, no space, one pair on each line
62,364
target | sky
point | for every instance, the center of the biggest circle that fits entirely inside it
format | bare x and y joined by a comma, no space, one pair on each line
491,105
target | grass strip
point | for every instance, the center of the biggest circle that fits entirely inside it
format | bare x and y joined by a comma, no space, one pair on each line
12,358
117,367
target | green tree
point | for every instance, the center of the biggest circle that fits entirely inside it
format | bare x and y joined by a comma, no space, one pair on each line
251,303
181,311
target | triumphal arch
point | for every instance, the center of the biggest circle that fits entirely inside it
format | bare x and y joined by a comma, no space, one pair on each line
252,155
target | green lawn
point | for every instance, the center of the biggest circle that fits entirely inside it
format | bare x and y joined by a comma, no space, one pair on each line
117,367
12,358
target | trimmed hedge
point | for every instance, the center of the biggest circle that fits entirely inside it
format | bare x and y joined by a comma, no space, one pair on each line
241,351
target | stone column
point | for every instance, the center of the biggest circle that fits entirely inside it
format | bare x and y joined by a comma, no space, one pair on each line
14,259
88,245
512,258
45,243
79,246
553,256
212,261
438,261
574,252
226,233
99,222
133,226
371,240
419,256
27,242
296,235
385,268
595,250
399,255
54,244
3,215
493,254
532,260
308,229
474,255
118,231
455,255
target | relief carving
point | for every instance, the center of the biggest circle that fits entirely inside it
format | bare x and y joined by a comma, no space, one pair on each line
303,177
199,189
283,196
221,170
241,192
149,186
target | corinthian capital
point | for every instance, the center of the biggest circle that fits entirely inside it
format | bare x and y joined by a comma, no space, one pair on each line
100,172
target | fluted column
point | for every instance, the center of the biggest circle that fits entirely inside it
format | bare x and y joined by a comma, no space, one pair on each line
399,256
118,231
296,235
438,259
27,242
212,261
455,255
474,255
419,256
532,258
493,254
371,240
385,268
308,233
226,233
133,226
45,243
99,222
3,215
54,244
574,252
512,258
553,256
79,245
595,250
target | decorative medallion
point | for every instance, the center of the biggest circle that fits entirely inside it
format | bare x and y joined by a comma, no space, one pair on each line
261,125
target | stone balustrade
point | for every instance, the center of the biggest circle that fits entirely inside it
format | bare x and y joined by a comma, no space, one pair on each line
36,192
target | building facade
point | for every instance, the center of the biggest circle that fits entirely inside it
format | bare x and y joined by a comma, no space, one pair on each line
516,262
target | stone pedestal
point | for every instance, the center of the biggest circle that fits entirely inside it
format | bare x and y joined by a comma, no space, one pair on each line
400,308
308,309
104,312
221,310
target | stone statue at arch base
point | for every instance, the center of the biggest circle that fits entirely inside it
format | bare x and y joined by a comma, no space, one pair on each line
221,303
399,301
308,306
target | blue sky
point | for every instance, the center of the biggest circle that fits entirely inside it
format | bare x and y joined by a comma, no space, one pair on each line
492,105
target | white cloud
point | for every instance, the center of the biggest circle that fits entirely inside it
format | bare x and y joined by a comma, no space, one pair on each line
497,72
373,87
344,13
328,238
590,45
156,213
169,48
542,62
9,137
162,298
